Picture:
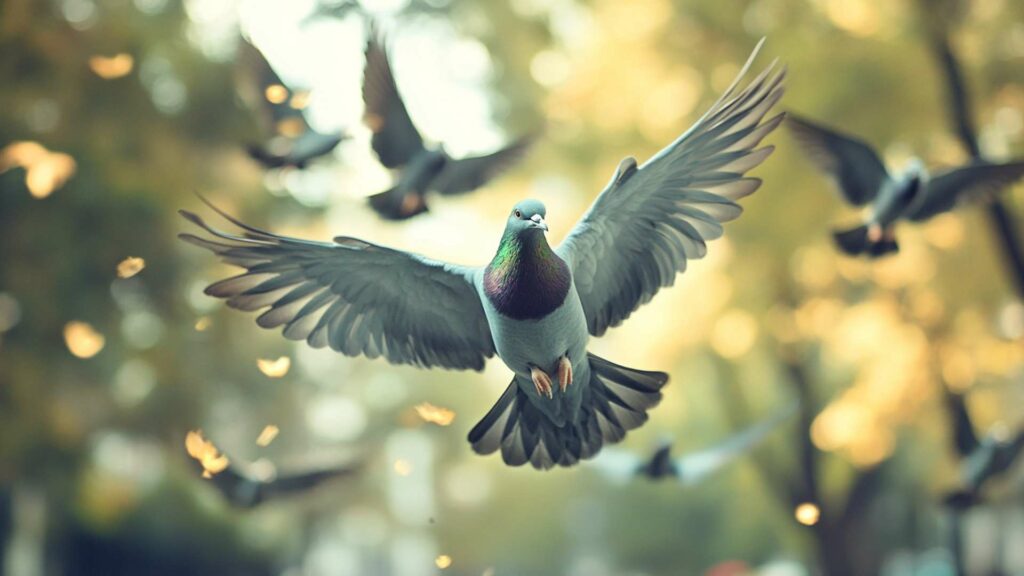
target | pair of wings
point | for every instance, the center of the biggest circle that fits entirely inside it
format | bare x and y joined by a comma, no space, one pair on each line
243,486
257,83
860,173
397,141
621,466
360,298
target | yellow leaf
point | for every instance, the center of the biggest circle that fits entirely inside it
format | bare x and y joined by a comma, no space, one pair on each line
435,414
267,435
206,453
111,67
276,94
202,323
274,368
82,340
443,561
130,266
807,514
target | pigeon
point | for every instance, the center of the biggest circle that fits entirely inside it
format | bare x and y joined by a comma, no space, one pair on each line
995,455
247,485
910,195
621,466
419,168
294,143
533,306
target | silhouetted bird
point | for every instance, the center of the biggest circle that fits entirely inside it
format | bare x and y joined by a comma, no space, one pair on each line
419,168
534,306
910,195
291,141
994,456
620,465
248,485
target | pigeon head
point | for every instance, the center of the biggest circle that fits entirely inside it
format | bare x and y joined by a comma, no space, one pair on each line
526,217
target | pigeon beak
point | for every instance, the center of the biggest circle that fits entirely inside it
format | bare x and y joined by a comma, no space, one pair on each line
538,222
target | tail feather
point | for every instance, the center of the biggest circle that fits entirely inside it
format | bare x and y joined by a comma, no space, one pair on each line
855,242
394,206
615,401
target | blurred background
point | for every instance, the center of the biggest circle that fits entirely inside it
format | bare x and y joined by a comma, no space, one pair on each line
113,113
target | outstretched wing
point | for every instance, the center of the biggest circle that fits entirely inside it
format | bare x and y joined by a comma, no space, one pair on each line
649,221
264,92
856,168
395,138
696,466
958,185
468,174
356,297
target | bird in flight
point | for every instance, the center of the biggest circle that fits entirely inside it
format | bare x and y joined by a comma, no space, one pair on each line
621,466
291,141
534,305
419,168
247,485
912,194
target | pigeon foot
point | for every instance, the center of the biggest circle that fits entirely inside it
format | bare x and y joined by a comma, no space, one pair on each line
564,373
542,382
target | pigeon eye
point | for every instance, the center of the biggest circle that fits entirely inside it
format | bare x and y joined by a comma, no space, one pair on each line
518,214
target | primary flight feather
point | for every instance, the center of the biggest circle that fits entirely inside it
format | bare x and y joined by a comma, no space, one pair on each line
533,305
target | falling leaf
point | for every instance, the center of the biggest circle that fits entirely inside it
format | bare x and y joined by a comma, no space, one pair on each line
267,435
111,67
807,514
403,467
130,266
203,323
82,339
299,101
206,453
435,414
276,94
443,561
45,171
274,368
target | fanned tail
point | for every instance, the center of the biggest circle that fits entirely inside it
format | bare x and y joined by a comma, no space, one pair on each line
615,401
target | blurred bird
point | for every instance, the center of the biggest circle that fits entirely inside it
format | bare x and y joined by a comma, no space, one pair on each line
248,485
910,195
534,306
292,142
994,456
621,466
419,168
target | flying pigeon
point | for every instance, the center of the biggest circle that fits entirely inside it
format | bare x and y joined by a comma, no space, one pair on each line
247,485
293,143
621,466
420,168
533,305
910,195
994,456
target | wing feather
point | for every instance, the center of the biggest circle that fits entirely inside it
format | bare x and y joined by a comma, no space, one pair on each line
649,221
356,297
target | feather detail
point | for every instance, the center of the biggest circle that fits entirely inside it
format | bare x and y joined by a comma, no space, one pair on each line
526,280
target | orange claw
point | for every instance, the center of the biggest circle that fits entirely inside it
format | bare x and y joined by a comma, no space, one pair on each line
542,382
564,373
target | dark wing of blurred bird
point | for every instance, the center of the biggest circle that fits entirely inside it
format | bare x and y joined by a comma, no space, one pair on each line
854,164
619,465
959,185
419,168
247,485
994,456
289,139
534,305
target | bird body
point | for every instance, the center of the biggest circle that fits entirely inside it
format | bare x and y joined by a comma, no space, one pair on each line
912,195
533,305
